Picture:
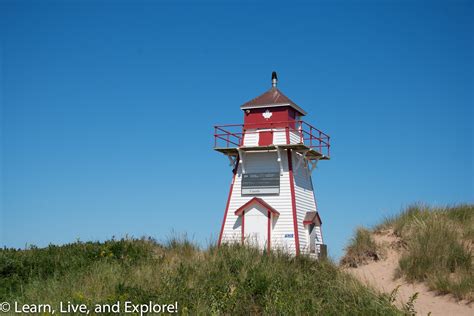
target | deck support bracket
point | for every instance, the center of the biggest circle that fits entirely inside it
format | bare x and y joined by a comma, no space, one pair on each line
242,159
302,158
313,165
232,161
279,159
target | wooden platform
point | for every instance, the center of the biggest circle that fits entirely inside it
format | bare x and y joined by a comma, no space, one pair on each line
311,153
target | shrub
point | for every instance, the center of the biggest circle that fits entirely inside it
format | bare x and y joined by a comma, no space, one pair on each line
17,267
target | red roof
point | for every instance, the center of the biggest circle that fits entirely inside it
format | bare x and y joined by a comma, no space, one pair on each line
259,201
312,217
272,97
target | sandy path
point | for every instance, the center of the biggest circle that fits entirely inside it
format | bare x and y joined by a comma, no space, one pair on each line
379,274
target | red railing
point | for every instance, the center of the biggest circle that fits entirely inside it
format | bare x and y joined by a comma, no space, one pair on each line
232,136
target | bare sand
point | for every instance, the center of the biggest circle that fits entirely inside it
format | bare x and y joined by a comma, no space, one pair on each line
380,275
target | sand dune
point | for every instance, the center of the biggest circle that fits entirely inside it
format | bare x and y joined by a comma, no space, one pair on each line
379,274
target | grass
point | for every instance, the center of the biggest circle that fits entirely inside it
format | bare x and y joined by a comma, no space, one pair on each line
439,244
361,249
228,280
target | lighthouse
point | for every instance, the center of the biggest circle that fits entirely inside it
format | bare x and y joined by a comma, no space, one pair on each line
271,202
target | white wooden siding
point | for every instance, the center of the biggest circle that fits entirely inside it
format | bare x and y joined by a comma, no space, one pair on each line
295,137
251,138
319,236
281,225
305,201
279,136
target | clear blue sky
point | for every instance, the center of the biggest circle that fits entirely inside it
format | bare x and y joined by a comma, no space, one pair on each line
107,110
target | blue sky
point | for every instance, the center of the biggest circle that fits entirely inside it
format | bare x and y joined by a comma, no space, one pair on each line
107,110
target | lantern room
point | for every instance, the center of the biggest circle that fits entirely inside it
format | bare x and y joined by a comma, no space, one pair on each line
272,119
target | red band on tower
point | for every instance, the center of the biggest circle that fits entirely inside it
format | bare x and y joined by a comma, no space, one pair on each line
293,202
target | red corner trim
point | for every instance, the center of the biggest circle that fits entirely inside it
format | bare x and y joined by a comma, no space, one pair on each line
228,202
293,203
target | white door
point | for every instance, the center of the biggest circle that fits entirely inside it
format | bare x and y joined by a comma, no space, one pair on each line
256,227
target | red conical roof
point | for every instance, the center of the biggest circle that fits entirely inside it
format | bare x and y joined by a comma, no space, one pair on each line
271,98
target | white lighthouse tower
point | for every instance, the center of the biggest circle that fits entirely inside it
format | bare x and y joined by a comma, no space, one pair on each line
271,202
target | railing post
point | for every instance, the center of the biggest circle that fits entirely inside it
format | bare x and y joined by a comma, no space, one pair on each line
320,149
329,147
300,130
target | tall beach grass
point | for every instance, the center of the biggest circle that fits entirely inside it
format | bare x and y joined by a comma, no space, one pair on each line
361,249
227,280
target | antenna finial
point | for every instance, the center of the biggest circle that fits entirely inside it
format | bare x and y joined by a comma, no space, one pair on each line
274,79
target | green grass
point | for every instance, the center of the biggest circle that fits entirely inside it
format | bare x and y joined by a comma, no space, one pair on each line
439,247
361,249
228,280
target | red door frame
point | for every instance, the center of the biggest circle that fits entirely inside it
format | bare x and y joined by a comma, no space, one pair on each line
270,210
